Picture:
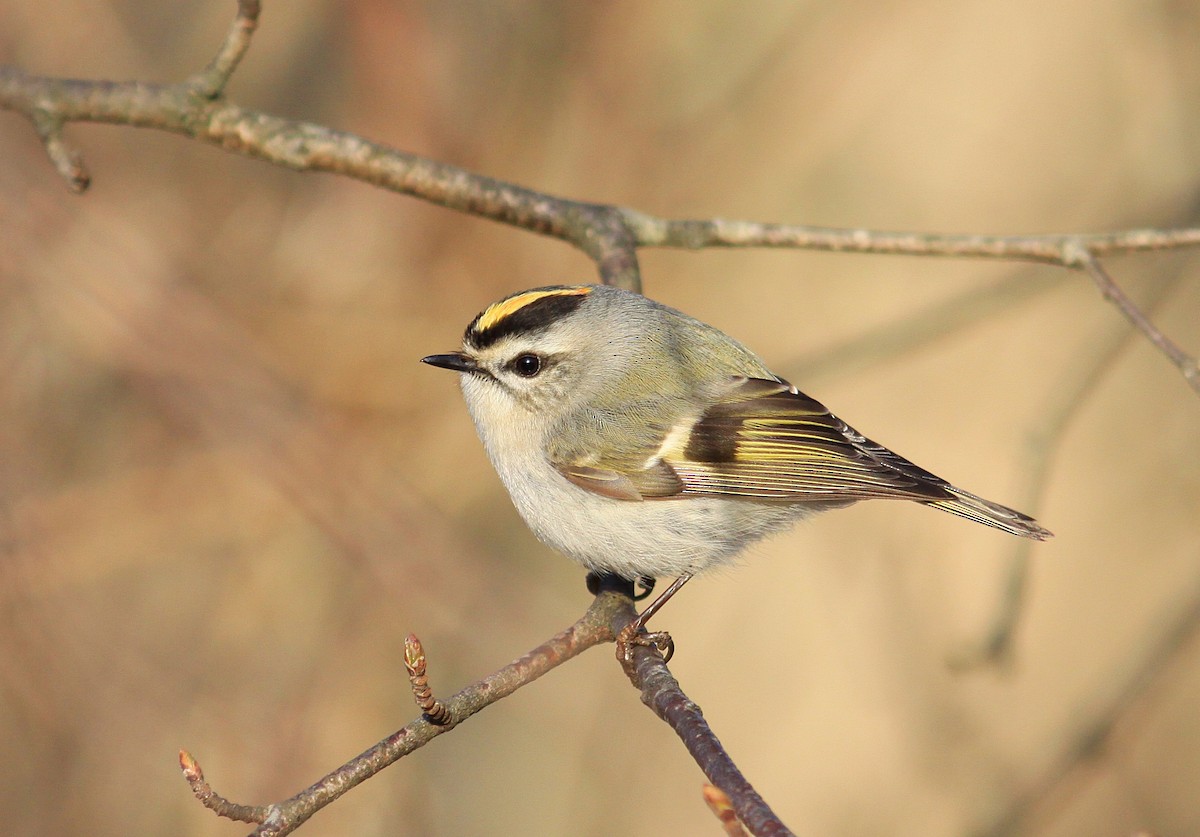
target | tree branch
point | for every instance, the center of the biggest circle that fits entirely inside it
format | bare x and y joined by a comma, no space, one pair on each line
610,235
662,693
611,610
593,628
1059,249
1086,259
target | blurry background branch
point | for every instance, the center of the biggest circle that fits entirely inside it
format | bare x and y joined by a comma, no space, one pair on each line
1072,396
1110,717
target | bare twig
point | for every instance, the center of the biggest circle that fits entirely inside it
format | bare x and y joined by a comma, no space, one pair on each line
593,628
1086,260
610,235
195,108
67,162
212,800
1056,249
661,692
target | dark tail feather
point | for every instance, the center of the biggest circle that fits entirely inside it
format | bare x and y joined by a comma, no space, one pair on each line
967,505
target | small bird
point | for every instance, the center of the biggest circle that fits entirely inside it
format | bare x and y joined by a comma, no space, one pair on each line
641,442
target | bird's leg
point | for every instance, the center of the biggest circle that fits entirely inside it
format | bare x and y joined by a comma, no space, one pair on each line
632,634
645,586
637,589
596,581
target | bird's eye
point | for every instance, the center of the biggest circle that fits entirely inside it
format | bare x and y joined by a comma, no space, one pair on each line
527,365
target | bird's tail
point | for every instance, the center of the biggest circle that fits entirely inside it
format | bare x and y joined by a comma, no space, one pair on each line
967,505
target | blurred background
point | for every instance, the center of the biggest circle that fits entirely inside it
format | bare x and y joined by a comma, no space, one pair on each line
228,489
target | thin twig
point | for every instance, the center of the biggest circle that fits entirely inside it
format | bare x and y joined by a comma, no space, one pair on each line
611,611
212,800
67,161
1087,261
593,628
609,234
1055,248
661,692
210,82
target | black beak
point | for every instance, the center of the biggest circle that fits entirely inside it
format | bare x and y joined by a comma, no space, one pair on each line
454,360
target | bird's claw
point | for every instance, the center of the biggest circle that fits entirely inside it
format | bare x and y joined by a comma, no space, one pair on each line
632,635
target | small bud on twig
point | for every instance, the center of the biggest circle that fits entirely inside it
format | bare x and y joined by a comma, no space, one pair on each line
718,802
212,800
414,660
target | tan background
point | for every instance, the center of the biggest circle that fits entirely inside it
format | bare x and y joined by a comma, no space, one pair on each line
228,489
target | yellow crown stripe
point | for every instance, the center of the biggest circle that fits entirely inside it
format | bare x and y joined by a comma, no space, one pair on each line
507,307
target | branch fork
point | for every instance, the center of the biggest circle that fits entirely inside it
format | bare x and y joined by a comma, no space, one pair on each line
611,611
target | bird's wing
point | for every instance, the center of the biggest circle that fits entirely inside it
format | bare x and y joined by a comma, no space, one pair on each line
761,440
765,441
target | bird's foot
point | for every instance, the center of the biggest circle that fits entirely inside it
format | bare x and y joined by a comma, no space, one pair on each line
632,635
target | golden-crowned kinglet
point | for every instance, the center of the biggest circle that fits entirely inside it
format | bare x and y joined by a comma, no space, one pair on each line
642,442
